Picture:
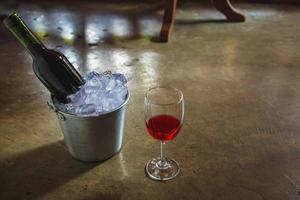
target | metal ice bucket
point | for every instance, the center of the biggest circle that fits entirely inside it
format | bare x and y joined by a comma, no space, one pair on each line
92,138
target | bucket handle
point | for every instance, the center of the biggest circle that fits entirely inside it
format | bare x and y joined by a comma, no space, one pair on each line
52,107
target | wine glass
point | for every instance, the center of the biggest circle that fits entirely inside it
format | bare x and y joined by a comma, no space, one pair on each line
164,111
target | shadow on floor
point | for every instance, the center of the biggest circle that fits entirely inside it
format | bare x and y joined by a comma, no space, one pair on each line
31,174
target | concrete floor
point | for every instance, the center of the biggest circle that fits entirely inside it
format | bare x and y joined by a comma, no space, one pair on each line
241,84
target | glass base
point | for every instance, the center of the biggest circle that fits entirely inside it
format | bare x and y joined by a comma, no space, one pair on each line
159,170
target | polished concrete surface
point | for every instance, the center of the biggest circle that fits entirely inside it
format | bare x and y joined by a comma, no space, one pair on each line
241,83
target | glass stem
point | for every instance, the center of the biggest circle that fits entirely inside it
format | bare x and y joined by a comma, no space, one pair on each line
162,151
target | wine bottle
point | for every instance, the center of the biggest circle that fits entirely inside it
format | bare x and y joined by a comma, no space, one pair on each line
51,67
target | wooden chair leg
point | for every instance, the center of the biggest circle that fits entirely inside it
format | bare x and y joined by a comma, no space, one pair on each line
168,19
225,7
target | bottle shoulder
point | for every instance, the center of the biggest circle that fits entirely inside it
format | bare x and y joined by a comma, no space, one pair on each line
49,55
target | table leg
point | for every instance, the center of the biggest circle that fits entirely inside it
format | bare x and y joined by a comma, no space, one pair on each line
225,7
168,19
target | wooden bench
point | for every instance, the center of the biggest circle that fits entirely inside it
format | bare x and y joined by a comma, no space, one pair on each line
169,6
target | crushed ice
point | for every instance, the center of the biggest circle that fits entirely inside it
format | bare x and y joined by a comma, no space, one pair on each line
100,94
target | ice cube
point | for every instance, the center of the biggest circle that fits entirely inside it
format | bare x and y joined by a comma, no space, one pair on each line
86,109
95,97
112,83
109,104
78,98
118,93
120,77
91,75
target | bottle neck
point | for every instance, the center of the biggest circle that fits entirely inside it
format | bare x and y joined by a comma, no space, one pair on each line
25,36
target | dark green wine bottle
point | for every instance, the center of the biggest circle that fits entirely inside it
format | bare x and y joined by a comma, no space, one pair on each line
51,67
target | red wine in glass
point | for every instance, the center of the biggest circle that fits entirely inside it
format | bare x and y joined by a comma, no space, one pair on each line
163,127
164,112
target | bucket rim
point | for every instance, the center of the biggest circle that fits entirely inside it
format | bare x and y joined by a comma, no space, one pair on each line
95,116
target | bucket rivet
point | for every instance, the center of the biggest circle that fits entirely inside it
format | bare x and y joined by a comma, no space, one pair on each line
61,117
